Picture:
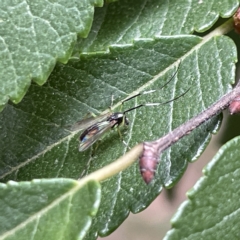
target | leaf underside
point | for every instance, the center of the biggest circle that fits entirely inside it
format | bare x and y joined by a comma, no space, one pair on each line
34,138
123,21
214,201
34,35
47,209
208,68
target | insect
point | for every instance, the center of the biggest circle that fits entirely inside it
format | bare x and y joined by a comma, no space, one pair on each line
95,127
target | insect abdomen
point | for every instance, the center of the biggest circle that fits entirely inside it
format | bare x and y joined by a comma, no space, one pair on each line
88,134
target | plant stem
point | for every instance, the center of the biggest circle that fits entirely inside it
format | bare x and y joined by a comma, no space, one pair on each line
186,128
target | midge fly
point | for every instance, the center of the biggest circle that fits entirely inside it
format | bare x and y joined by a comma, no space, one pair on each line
94,127
97,127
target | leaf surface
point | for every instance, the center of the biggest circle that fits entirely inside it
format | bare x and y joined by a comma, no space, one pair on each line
212,210
34,35
37,144
47,209
123,21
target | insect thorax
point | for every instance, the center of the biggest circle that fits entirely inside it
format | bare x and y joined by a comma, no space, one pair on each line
118,119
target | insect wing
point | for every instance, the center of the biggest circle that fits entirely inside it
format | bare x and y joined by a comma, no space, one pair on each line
93,134
86,123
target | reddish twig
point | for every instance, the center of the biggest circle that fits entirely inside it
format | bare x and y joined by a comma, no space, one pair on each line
152,150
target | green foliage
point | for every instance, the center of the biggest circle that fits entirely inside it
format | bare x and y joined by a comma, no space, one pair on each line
214,201
35,140
34,35
47,209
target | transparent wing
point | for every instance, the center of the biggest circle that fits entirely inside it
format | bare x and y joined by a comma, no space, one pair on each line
94,134
86,123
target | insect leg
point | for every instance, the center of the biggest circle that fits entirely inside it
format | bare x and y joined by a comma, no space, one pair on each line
121,137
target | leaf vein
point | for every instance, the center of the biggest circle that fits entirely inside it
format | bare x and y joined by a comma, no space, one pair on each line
34,232
133,22
64,157
186,15
200,93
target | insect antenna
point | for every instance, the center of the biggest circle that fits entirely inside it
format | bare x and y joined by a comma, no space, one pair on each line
152,91
155,104
150,158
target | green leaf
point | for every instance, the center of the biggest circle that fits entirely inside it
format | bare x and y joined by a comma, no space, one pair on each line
34,35
37,34
123,21
212,210
35,143
47,209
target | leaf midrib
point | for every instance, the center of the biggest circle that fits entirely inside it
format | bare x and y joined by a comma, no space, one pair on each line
54,203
